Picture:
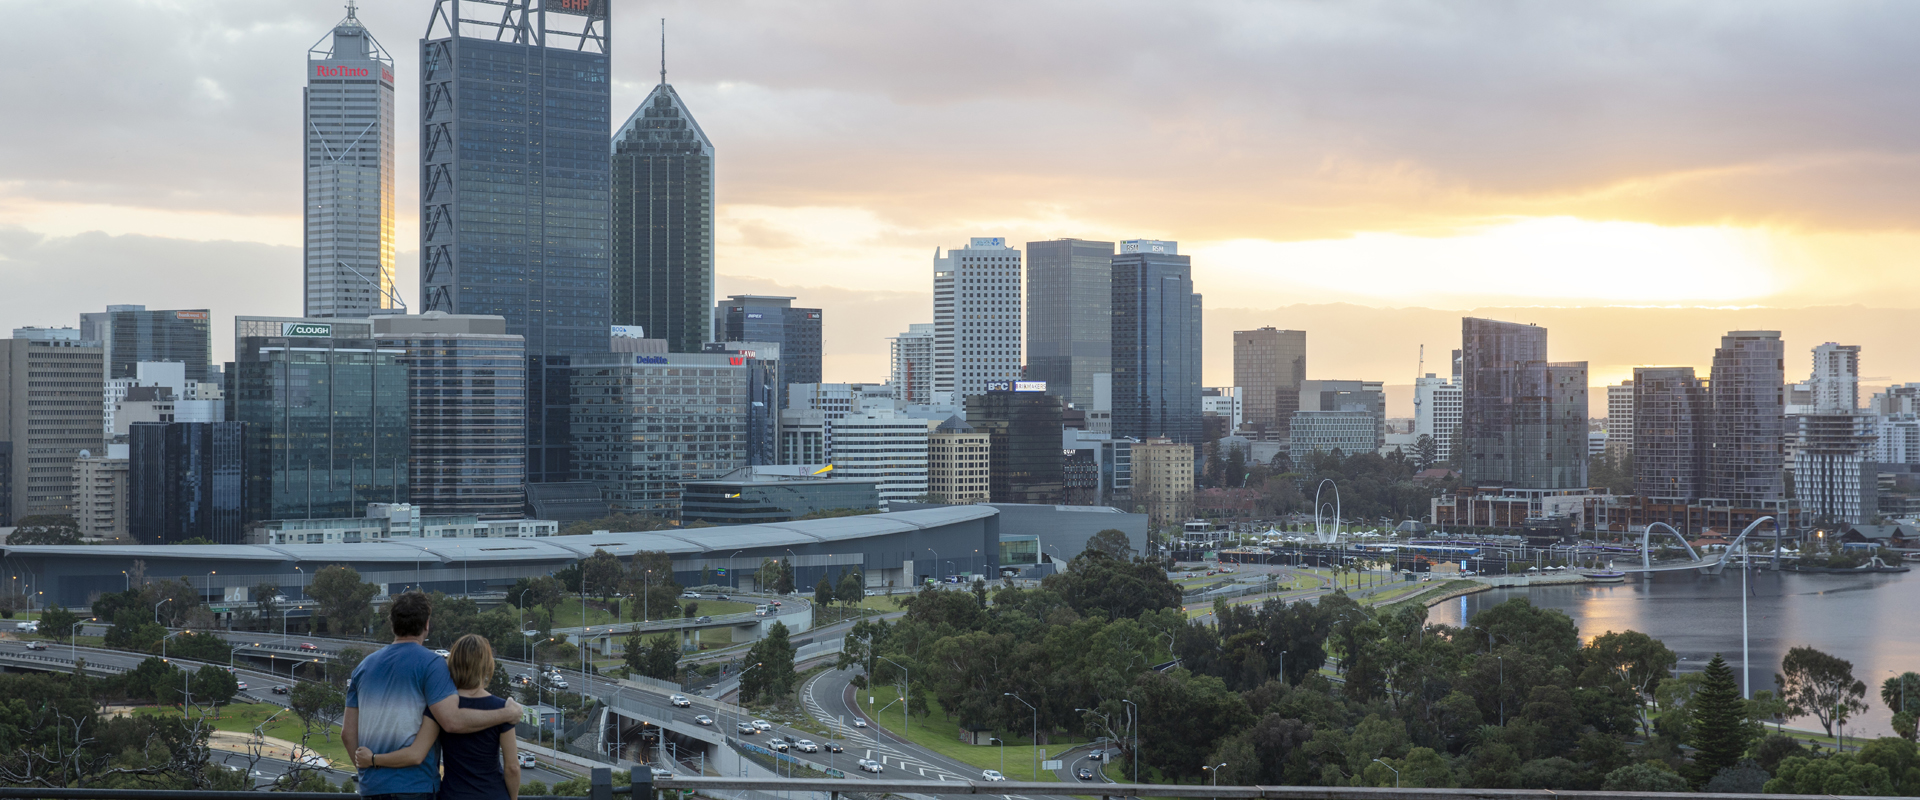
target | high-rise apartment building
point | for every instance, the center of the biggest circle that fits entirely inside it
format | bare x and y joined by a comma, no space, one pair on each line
1671,417
879,444
1523,419
1436,413
349,174
1022,424
100,494
130,334
958,462
1069,319
643,424
467,396
1156,343
1268,365
762,318
912,358
319,454
1836,377
515,189
1620,419
1163,481
1833,468
663,225
50,389
1748,389
186,480
976,316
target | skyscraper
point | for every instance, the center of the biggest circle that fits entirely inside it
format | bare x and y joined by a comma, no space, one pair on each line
1670,418
1749,425
763,318
1620,419
186,480
131,334
1026,461
349,174
1436,413
976,317
1836,377
639,449
912,372
1268,366
1523,419
467,394
1069,319
515,182
663,226
50,389
1156,343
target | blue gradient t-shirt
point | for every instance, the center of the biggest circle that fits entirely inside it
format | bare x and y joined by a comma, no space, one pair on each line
392,688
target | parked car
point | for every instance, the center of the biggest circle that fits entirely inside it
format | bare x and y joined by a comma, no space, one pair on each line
869,765
833,747
282,689
703,719
680,700
872,593
807,746
762,724
992,775
309,647
527,760
746,729
1083,774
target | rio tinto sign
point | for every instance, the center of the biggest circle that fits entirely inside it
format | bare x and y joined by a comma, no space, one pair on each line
584,8
337,71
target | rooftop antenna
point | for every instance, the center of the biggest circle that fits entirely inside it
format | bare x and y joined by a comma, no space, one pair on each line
663,51
350,10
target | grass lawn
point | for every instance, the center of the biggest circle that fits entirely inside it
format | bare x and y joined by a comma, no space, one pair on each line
940,734
1427,591
567,613
243,717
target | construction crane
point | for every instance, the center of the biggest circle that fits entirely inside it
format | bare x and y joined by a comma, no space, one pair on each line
1419,372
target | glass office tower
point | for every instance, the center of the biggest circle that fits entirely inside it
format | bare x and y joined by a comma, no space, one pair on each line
326,423
468,387
186,480
349,174
1069,315
663,223
1022,424
1156,343
515,108
645,424
762,318
132,334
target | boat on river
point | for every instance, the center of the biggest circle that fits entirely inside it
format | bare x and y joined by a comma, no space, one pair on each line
1606,576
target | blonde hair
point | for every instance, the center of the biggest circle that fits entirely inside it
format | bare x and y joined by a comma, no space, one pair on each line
471,661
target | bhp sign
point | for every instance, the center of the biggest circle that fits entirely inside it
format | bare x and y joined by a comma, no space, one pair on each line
324,71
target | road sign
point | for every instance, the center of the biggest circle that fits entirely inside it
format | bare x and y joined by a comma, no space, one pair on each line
1055,764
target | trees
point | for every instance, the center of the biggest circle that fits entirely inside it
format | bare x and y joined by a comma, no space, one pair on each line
540,590
823,594
1111,542
851,589
773,678
266,601
1721,732
656,657
618,523
1901,693
1815,683
213,685
650,576
604,575
784,583
345,600
1426,452
45,529
313,702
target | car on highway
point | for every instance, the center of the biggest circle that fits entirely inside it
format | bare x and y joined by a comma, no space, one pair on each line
807,746
775,604
992,775
872,593
761,724
309,647
36,645
704,619
282,689
835,748
240,685
1083,774
523,679
557,682
746,729
680,700
691,595
442,653
776,744
703,719
869,765
527,760
721,597
859,723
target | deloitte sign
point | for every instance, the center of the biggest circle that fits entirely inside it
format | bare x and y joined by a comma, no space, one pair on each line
305,329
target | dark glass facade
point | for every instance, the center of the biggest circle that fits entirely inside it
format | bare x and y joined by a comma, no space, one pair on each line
515,190
327,428
1026,463
1671,417
1069,315
132,334
743,502
1523,419
756,318
663,223
765,396
186,480
1156,347
1744,465
468,397
645,424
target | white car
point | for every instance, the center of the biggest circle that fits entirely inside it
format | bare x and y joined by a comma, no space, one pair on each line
868,765
692,595
703,719
777,745
680,701
763,725
526,759
240,685
441,653
662,772
807,746
992,775
859,723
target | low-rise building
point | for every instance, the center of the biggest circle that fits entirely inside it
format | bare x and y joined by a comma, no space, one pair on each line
776,494
1163,481
958,460
386,521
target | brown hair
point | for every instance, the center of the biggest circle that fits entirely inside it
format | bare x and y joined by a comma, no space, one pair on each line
471,661
409,614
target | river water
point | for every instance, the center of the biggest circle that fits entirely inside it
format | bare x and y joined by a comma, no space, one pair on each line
1870,620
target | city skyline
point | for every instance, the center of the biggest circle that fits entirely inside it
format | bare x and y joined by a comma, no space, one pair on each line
1530,187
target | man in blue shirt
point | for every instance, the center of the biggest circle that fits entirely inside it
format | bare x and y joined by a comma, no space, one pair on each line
389,693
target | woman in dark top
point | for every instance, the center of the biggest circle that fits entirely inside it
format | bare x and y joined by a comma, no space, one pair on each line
483,765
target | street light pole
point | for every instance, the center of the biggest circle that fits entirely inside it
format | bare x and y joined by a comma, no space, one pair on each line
1215,769
156,609
1396,773
1036,733
73,645
906,690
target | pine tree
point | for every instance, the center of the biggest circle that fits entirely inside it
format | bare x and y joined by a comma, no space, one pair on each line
1721,732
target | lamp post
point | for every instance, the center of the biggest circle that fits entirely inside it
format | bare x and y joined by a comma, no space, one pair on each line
1503,689
1036,733
156,610
732,576
73,644
1215,769
906,689
1396,773
936,564
526,647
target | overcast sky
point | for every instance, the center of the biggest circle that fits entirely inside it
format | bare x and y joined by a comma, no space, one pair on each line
1450,156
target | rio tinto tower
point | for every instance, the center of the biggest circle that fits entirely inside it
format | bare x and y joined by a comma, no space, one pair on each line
349,174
